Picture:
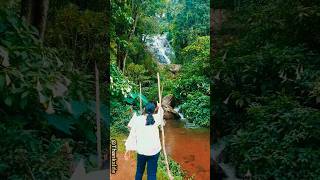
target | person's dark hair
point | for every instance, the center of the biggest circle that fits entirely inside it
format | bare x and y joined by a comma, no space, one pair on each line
150,107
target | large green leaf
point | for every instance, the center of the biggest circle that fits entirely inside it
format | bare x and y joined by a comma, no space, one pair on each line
61,123
134,98
78,108
87,130
103,110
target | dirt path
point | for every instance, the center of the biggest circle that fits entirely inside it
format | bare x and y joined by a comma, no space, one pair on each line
126,169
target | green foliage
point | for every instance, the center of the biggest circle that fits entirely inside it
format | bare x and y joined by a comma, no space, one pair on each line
124,100
280,141
244,73
26,156
120,116
189,31
120,85
191,84
79,36
193,78
175,168
193,92
189,20
35,75
196,109
198,50
40,99
265,92
136,73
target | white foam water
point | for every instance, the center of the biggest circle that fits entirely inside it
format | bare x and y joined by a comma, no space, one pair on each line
160,47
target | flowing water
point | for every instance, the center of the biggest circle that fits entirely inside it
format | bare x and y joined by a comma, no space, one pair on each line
160,47
228,169
177,109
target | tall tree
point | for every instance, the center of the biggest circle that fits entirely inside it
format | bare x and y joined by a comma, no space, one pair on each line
35,13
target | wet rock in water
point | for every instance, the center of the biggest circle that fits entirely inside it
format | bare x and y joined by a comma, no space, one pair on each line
168,100
170,113
174,68
191,125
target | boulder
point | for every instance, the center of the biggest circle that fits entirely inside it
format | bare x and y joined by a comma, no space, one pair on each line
174,68
168,100
170,113
168,103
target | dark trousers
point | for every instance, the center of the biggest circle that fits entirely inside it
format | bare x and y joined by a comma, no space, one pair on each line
152,162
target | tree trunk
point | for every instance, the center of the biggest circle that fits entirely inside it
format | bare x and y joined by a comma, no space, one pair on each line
120,56
129,39
220,19
35,13
26,10
98,133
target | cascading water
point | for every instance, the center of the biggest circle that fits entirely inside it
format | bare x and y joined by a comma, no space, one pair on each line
177,109
182,118
160,47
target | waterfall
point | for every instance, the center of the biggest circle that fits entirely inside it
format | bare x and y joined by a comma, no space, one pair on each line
187,124
160,47
177,109
228,169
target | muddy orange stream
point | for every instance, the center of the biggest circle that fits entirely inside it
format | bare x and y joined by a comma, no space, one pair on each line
190,148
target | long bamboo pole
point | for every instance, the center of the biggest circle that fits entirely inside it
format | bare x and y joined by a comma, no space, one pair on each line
159,91
162,132
140,100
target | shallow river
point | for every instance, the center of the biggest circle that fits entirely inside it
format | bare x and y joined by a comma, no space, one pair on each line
189,147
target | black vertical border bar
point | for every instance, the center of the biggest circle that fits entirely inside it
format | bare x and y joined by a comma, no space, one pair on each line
213,119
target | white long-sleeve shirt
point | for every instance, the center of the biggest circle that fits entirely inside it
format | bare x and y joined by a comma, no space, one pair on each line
147,137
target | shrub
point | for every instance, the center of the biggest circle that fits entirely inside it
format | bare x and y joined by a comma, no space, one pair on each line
176,170
188,85
196,109
280,141
120,116
40,97
120,85
26,156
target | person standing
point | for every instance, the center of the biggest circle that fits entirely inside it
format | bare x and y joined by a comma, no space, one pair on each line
144,139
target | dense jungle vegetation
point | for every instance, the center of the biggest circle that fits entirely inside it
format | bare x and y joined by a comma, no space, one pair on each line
132,63
48,53
51,54
187,26
266,96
